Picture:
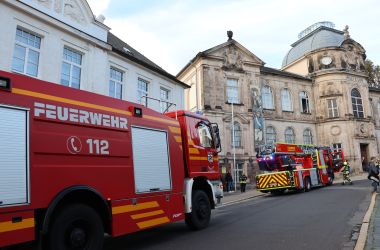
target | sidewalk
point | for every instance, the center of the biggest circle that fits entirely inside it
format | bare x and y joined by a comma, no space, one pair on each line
237,196
373,237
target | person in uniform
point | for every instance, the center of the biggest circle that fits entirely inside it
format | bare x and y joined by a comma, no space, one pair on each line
346,173
243,182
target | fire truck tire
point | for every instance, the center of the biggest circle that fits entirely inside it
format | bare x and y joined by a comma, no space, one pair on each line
307,184
199,218
76,226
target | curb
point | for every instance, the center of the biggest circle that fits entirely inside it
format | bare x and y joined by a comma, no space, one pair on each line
239,200
360,243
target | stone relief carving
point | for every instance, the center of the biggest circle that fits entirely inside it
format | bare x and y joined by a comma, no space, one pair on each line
68,8
73,11
46,3
353,58
335,130
232,59
58,6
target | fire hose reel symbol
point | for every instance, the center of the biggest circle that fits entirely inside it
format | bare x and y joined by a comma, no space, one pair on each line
74,145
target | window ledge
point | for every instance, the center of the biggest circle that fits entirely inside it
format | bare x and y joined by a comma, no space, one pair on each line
236,104
288,111
306,113
269,109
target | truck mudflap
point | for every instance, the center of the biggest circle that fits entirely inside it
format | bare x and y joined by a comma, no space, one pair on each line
272,181
17,227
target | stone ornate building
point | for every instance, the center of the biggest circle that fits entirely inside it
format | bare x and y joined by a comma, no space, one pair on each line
320,96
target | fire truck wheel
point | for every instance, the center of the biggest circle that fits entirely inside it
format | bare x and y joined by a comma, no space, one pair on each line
76,227
307,184
199,218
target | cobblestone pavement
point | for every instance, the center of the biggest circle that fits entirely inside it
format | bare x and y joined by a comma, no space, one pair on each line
373,238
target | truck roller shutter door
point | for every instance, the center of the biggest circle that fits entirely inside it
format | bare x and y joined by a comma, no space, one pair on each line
13,156
150,160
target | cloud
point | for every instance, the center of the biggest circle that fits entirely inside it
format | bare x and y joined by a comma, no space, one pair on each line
172,32
99,6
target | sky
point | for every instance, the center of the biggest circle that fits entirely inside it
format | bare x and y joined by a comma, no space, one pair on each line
172,32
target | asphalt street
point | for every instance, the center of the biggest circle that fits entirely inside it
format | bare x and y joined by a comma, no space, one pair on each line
325,218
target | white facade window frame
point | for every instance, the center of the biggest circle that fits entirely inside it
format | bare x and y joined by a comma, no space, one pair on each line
232,90
73,65
164,105
116,82
142,92
290,136
267,97
29,49
307,136
332,108
237,131
357,103
304,102
286,100
271,135
337,146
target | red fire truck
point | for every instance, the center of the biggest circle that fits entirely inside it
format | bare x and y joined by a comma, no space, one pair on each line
75,165
296,167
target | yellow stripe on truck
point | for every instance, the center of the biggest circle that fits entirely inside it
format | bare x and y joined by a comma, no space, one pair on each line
154,222
130,208
10,226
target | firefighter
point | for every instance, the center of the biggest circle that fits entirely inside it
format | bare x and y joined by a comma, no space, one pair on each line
346,173
243,182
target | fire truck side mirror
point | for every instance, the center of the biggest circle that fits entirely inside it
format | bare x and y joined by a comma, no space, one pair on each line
5,83
215,131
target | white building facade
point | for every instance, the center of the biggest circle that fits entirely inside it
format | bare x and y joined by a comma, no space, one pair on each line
61,41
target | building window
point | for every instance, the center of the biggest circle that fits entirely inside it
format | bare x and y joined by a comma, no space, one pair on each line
286,101
307,136
337,146
164,97
270,135
26,53
71,68
267,97
289,135
378,109
236,135
116,83
357,104
142,91
232,91
304,101
332,108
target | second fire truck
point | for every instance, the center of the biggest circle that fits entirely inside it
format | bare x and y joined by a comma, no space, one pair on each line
296,167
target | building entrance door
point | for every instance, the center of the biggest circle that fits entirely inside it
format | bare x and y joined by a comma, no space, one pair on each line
364,156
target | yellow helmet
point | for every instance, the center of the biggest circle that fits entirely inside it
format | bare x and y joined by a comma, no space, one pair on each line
345,163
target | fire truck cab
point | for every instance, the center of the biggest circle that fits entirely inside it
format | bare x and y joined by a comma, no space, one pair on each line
75,165
296,167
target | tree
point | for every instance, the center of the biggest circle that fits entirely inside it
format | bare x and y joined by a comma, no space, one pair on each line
373,73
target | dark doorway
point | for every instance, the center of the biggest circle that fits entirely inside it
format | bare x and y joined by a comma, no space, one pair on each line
364,156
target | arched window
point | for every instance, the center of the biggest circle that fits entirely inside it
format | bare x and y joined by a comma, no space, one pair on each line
286,101
236,135
289,135
267,97
270,135
304,102
357,104
307,136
